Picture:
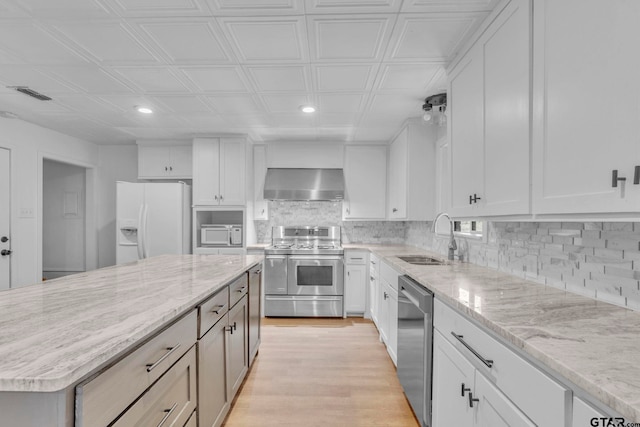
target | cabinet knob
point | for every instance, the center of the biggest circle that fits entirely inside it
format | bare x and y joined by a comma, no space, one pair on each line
165,169
170,168
215,196
4,239
5,252
221,197
394,210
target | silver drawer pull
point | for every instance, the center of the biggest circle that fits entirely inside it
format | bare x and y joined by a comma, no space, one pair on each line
487,362
355,258
241,289
152,366
168,414
218,309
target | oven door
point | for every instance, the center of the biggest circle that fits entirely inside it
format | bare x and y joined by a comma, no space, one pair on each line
315,275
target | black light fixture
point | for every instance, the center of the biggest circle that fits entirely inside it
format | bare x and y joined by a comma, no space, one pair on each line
435,105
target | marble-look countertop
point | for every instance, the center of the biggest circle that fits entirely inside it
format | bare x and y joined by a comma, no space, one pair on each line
591,343
58,332
258,246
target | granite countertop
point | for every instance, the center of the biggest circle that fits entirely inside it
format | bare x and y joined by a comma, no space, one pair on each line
56,333
591,343
258,246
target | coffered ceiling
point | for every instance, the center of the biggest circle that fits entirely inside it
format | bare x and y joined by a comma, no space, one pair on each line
229,66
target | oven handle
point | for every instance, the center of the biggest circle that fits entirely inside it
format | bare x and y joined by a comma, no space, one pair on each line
316,257
275,256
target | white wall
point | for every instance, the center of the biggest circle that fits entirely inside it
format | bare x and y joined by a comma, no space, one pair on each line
117,163
29,144
63,219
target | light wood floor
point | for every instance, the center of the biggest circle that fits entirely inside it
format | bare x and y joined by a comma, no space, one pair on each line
321,372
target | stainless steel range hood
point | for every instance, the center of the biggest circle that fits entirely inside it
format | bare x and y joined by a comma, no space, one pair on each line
304,184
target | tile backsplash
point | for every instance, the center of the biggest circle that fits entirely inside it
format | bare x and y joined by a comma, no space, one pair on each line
597,259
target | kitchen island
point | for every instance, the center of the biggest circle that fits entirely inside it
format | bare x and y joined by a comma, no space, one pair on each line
55,335
590,344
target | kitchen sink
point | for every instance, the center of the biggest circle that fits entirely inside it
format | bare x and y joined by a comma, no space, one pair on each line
421,260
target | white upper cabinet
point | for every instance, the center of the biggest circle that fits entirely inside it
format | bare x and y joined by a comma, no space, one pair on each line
411,173
219,171
260,205
586,104
365,173
161,161
489,126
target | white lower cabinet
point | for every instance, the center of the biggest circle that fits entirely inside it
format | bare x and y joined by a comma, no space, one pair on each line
374,288
355,283
583,413
388,309
213,398
510,390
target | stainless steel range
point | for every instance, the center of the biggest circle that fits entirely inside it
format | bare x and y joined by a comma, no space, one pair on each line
304,272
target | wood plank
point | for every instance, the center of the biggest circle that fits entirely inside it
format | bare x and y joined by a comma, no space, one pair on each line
321,372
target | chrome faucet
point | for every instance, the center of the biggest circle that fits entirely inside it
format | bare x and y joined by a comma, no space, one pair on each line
452,242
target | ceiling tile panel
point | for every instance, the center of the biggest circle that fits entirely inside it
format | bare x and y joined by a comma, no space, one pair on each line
67,9
250,120
352,6
188,42
33,45
173,8
340,120
340,103
430,38
265,39
109,43
152,80
344,77
24,105
127,103
356,38
407,77
216,79
29,76
448,5
209,122
184,104
10,10
293,120
292,78
403,105
287,103
256,7
376,134
235,104
89,79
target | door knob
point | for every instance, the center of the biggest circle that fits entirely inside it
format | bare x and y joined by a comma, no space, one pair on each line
4,239
5,252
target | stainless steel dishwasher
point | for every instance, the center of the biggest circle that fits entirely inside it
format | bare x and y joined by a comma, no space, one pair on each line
415,346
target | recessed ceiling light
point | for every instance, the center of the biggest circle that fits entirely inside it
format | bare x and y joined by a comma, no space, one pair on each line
143,109
308,109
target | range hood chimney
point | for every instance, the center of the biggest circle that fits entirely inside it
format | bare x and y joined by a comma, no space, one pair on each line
304,184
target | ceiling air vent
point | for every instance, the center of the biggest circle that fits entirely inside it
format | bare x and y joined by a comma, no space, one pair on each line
32,93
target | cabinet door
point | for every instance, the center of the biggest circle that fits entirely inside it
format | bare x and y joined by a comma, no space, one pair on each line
206,161
153,162
355,289
365,170
581,134
453,376
213,397
507,79
238,346
583,413
466,128
181,164
255,296
260,205
392,343
232,172
397,206
383,311
494,408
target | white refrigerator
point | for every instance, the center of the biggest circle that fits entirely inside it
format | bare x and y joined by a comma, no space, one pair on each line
152,219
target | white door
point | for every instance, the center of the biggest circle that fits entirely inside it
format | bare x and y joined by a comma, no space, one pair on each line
355,289
494,409
129,198
232,167
162,224
365,178
397,206
5,209
206,172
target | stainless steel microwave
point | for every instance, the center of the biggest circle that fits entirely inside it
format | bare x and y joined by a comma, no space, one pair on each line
220,235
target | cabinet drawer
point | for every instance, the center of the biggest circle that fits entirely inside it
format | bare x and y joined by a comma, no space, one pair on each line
213,310
238,289
169,402
389,274
101,399
353,257
541,398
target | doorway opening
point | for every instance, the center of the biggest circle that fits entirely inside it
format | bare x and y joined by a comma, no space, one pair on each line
64,219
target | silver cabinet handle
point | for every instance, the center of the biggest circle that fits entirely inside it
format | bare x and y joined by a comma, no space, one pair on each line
168,414
615,178
229,329
170,168
463,389
257,272
636,175
218,309
215,196
152,366
385,295
166,169
221,197
355,258
241,290
487,362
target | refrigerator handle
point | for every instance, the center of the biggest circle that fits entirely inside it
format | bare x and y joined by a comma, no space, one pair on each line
140,233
